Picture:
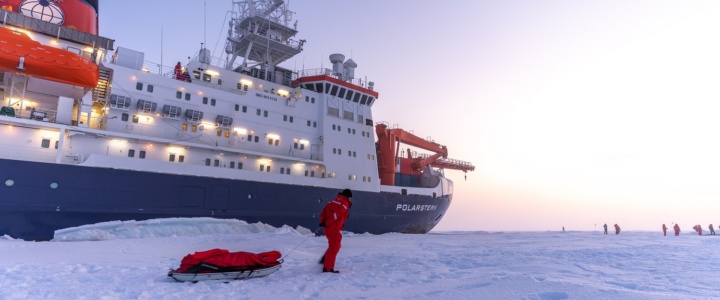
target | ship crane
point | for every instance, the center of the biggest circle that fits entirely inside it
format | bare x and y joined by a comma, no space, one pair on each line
390,163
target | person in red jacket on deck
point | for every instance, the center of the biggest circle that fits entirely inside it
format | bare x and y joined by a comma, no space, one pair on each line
332,219
677,229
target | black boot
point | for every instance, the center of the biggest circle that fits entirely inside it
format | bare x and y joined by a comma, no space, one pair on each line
330,271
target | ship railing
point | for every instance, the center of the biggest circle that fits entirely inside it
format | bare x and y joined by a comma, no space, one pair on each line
37,114
51,29
448,161
328,72
207,137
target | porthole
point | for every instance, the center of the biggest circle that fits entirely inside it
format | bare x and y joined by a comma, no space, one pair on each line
249,196
9,182
54,185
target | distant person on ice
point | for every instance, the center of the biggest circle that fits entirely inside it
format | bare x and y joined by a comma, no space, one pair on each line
664,230
617,229
712,231
677,229
605,226
332,219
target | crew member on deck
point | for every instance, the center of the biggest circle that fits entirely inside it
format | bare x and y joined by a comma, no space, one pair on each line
178,71
664,230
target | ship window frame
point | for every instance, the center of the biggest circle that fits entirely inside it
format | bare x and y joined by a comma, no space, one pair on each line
341,94
216,163
319,87
240,165
45,143
131,152
363,100
212,102
181,158
244,109
178,94
196,74
349,95
356,98
333,90
187,96
207,162
205,100
207,77
172,157
232,165
142,154
125,117
139,86
150,88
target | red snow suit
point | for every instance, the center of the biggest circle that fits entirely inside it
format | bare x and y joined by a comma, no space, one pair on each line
334,216
225,258
677,229
664,230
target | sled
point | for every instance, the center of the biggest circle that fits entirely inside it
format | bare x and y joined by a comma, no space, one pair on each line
220,264
211,272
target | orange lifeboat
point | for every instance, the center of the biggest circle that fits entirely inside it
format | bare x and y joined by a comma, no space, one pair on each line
44,62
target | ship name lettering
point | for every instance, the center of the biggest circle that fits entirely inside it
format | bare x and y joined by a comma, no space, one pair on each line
266,97
406,207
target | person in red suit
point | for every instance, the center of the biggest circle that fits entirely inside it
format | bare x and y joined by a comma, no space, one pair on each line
332,220
677,229
617,229
664,230
177,72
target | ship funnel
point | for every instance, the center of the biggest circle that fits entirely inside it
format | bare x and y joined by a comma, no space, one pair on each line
350,66
337,61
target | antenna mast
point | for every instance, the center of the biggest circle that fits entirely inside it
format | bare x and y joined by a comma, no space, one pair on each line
260,32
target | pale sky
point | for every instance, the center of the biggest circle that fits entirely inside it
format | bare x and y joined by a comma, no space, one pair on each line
575,113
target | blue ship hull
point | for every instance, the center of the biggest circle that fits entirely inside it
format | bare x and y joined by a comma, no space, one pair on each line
31,209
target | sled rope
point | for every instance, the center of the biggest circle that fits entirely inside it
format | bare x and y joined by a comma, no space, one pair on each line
298,245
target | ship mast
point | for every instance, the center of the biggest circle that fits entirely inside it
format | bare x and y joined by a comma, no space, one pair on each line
260,33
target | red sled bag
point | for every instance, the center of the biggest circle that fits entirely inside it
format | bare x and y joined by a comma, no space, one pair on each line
221,264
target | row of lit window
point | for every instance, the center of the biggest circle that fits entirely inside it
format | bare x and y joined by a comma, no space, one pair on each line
364,178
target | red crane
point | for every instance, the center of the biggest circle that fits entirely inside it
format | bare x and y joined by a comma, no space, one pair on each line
389,162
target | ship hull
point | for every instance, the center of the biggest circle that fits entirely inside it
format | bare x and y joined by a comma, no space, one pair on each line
39,198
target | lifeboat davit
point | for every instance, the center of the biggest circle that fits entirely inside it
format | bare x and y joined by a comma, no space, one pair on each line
44,62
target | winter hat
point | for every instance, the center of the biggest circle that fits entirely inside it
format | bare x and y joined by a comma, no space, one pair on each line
346,193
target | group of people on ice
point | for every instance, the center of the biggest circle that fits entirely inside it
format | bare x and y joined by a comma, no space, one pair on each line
617,228
676,228
697,229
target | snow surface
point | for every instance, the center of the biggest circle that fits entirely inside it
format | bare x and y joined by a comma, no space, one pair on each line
130,260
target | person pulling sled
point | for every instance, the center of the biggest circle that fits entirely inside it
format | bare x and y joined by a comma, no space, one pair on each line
332,220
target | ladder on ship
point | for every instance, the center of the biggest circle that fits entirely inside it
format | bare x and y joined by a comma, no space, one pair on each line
103,90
